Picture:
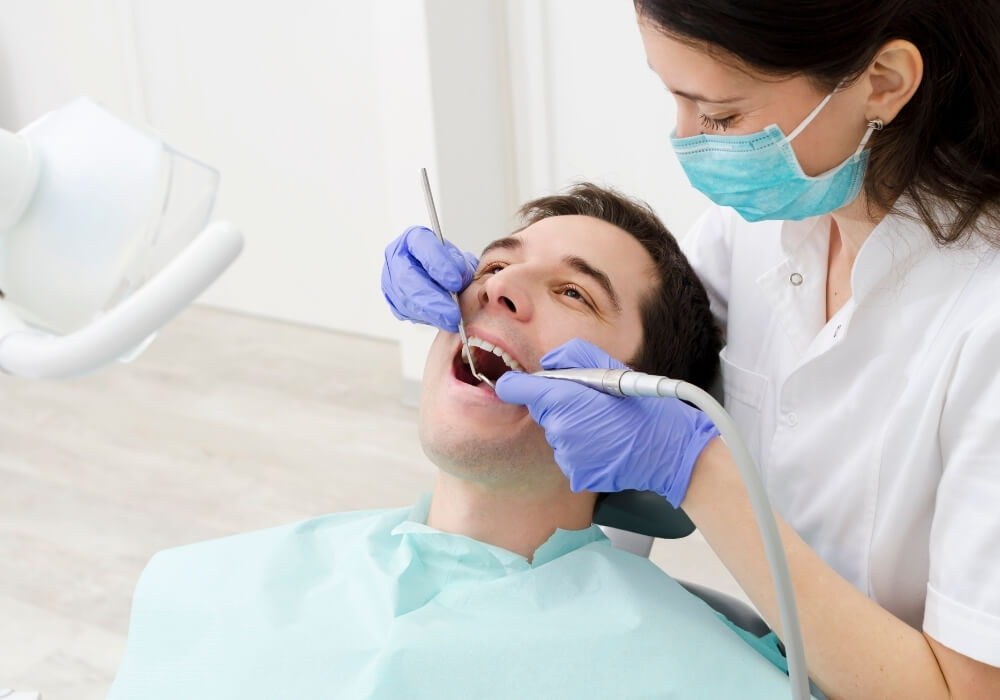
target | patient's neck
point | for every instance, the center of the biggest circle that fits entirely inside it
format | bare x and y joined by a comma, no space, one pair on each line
517,519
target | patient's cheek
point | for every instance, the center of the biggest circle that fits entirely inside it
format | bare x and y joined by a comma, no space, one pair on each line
439,350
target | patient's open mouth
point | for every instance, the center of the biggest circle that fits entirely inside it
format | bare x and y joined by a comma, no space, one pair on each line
491,362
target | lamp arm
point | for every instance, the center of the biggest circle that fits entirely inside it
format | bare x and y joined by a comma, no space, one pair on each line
33,353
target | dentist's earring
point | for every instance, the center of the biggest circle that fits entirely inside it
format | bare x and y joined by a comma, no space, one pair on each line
873,126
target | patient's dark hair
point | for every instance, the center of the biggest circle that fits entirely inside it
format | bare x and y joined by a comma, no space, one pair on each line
680,337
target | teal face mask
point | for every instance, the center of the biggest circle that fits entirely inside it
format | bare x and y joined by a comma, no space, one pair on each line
759,176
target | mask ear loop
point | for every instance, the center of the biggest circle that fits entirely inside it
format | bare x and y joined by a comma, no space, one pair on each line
875,124
812,115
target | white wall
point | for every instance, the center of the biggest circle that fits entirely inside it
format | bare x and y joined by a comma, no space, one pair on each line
588,107
52,51
284,98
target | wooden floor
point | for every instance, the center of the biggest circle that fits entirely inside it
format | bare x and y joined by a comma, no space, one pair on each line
225,424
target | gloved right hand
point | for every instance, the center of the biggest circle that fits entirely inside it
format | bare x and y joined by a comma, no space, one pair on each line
606,443
418,274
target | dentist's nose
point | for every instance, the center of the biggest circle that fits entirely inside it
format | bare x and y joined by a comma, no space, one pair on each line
687,123
502,293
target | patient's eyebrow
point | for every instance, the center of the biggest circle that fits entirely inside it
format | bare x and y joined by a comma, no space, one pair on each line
583,267
574,261
508,243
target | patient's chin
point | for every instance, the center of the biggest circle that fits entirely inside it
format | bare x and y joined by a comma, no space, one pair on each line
486,443
511,460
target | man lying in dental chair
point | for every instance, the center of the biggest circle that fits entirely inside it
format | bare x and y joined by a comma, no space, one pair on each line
498,584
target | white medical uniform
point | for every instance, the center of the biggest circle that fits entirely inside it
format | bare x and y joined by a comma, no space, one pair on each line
877,432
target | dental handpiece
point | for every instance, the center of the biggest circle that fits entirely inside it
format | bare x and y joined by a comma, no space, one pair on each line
617,382
629,383
436,226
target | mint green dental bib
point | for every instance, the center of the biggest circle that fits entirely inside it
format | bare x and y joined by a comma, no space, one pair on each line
378,605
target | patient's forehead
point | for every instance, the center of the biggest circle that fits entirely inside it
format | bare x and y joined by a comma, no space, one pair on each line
572,231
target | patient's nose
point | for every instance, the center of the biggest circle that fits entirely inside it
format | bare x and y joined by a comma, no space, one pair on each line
501,293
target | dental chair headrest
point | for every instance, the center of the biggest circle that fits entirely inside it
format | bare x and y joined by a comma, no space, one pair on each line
644,512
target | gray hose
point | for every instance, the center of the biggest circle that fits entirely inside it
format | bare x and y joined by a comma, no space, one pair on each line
629,383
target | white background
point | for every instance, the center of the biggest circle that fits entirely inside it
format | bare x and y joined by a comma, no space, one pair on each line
319,113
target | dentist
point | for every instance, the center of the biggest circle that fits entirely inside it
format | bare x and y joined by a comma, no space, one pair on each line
853,259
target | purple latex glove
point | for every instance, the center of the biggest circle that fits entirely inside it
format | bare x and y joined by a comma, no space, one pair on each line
608,443
418,274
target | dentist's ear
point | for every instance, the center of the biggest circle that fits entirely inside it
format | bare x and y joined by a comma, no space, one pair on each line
893,76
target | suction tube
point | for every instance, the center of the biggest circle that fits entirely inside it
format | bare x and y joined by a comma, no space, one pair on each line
625,382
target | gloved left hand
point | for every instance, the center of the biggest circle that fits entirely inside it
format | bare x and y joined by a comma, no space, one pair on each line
418,273
609,443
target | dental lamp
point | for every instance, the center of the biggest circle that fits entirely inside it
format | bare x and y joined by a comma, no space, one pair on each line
104,237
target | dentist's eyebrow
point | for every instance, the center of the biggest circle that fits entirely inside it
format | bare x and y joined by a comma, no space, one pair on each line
695,97
585,268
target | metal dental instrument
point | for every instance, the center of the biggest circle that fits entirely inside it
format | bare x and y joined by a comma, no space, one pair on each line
626,382
436,225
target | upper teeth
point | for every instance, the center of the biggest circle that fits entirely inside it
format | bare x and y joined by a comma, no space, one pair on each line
490,347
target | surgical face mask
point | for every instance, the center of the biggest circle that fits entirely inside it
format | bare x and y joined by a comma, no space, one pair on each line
759,176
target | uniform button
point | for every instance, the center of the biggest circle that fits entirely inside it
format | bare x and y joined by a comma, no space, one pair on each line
792,420
795,278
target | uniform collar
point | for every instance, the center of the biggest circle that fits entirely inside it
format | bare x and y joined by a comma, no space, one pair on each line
892,247
431,540
796,286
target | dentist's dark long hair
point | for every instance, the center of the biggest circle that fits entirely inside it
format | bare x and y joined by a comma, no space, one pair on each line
942,151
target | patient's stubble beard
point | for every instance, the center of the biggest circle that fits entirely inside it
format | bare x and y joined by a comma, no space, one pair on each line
517,460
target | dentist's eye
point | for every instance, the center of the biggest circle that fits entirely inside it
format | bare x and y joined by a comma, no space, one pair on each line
717,124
